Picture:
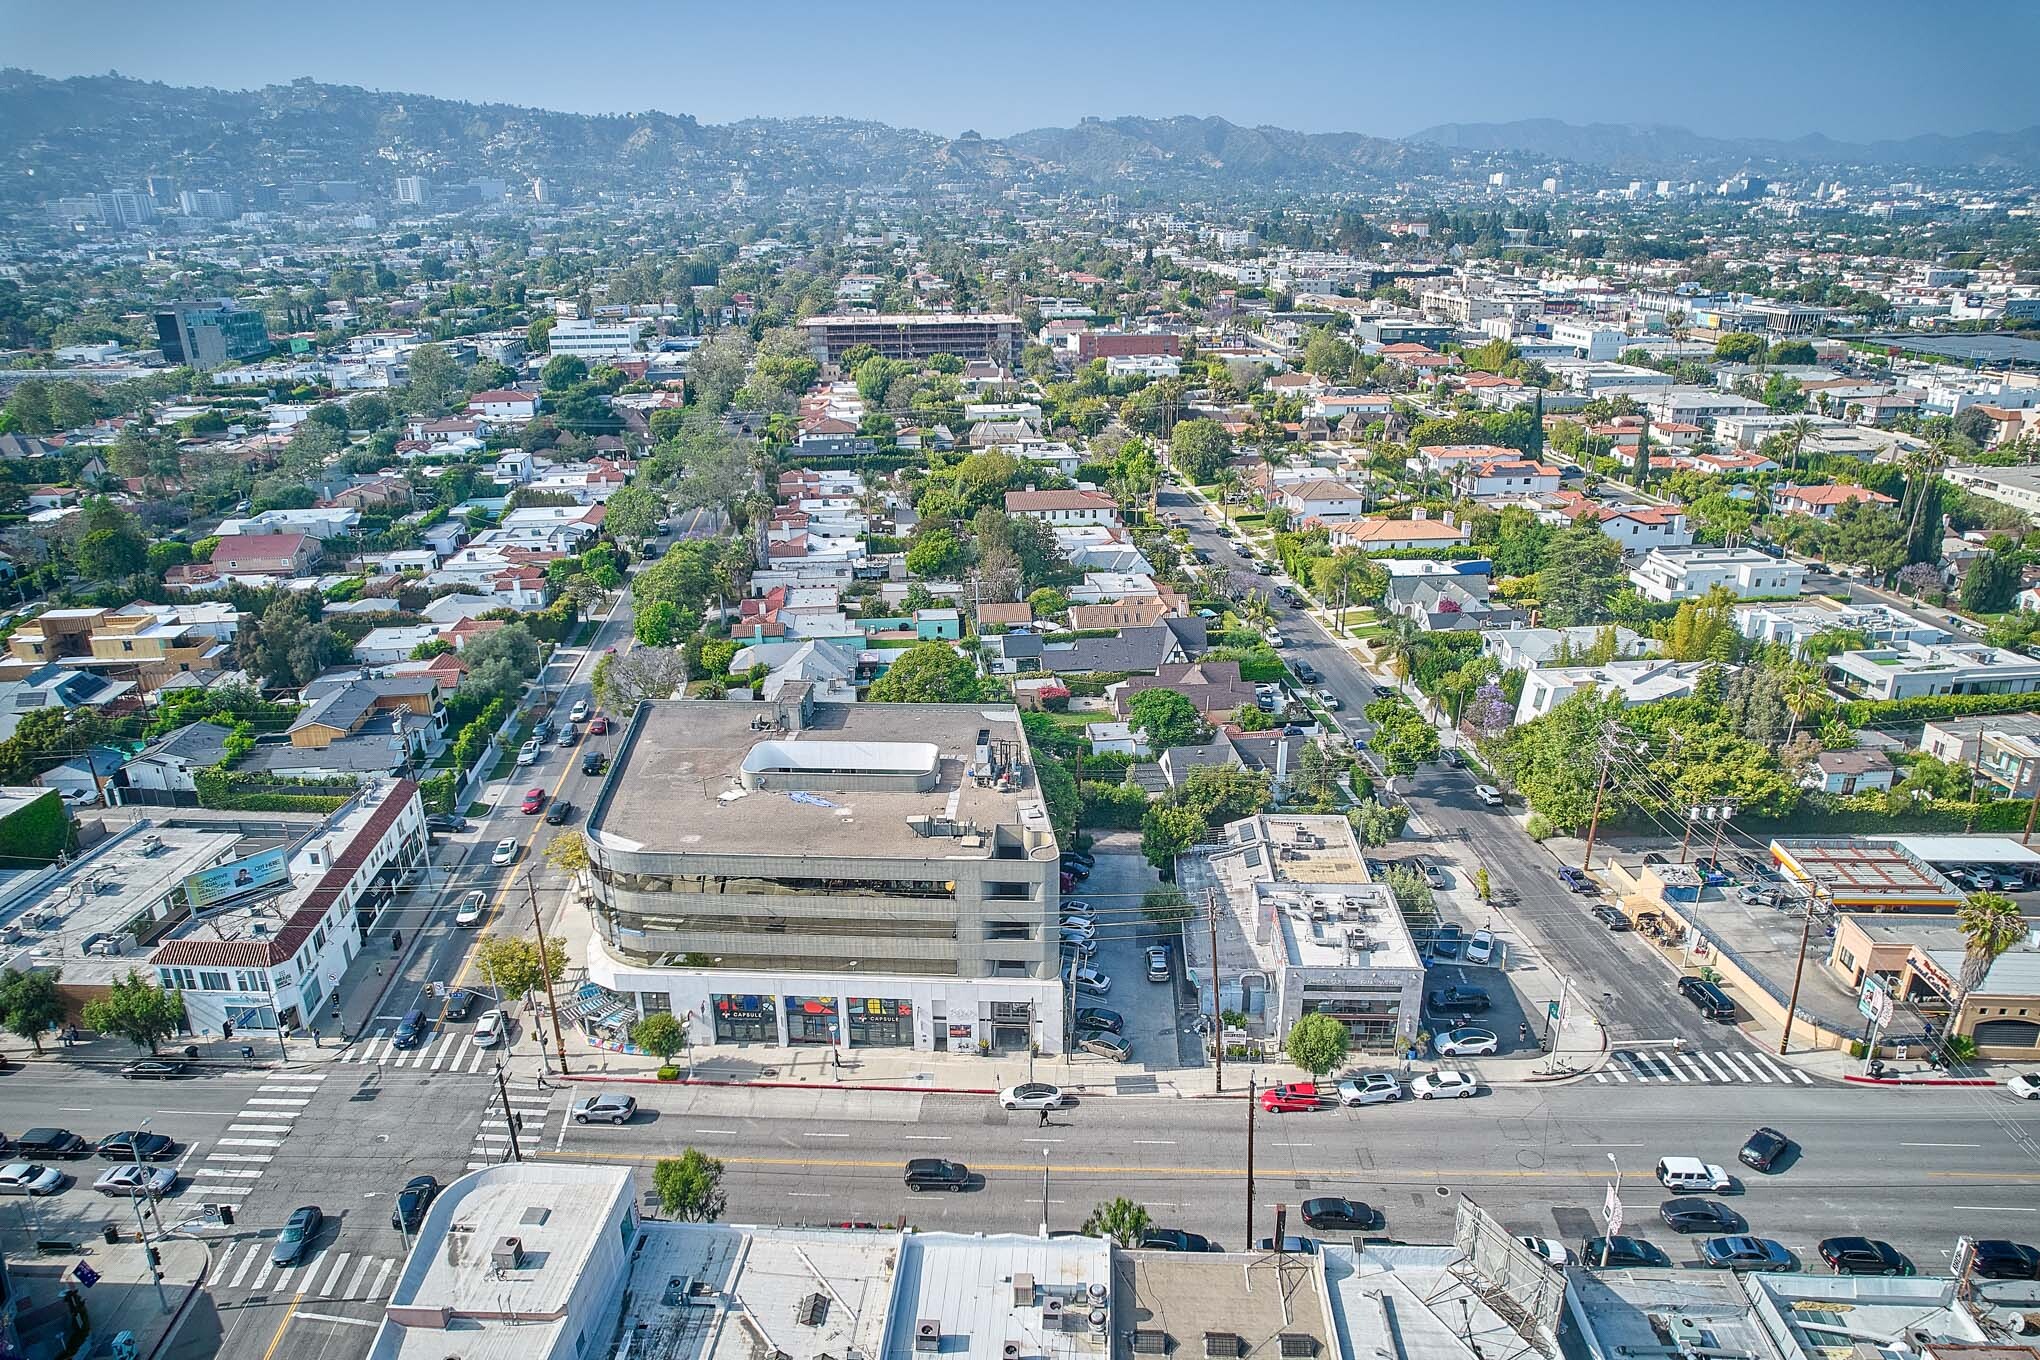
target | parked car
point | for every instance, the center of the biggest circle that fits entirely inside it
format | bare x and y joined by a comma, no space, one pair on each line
1698,1215
1753,896
1468,1042
1745,1253
534,799
136,1145
129,1180
1480,947
1099,1044
1489,794
1329,700
296,1238
1576,881
505,852
446,823
1291,1097
1176,1239
936,1173
53,1144
1443,1085
1433,874
1863,1256
1994,1258
1458,1000
1158,963
1333,1214
608,1108
1611,918
1708,999
1551,1249
560,811
2026,1085
1293,1243
1089,980
1762,1149
1369,1088
1097,1017
412,1202
155,1069
491,1029
1445,941
1032,1095
1621,1253
30,1178
473,906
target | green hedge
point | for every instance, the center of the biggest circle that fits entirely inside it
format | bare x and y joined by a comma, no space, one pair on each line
1114,805
1884,712
38,833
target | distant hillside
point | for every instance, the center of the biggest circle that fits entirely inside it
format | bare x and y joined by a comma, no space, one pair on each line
1636,149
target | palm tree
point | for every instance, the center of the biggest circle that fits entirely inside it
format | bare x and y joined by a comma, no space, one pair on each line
1343,570
1805,693
1675,324
1256,611
1990,923
1799,431
1119,1219
1397,649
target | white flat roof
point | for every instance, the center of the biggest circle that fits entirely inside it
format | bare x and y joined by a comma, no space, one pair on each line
1968,849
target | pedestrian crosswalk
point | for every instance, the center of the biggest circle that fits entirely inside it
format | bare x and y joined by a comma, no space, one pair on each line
1691,1066
523,1126
237,1160
341,1276
452,1051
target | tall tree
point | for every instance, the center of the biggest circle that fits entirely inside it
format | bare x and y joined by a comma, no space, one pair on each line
134,1010
29,1003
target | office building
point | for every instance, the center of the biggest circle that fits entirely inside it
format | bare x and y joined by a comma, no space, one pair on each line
210,334
797,872
207,203
594,340
126,208
967,335
414,190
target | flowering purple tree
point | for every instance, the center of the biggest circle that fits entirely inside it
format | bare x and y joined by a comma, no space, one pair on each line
1489,712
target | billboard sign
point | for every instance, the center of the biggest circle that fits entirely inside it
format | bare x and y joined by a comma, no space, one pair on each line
237,878
1875,999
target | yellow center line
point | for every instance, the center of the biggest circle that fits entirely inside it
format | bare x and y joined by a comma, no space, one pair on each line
277,1340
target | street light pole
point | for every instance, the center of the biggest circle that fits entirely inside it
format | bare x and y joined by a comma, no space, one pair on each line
1608,1223
1044,1194
545,971
149,1252
1252,1101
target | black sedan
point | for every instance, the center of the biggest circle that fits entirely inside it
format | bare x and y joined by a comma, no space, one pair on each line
1761,1151
1997,1259
1457,1000
1097,1017
1621,1252
155,1069
1693,1215
1863,1256
1176,1239
136,1144
1339,1215
412,1202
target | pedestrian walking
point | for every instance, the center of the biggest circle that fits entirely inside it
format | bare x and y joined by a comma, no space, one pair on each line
1044,1119
315,1036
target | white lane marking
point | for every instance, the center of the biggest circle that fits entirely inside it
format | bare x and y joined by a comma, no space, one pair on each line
1154,1142
1041,1140
817,1133
1720,1070
335,1317
256,1157
926,1137
1997,1208
375,1291
281,1102
258,1128
1941,1145
360,1274
808,1194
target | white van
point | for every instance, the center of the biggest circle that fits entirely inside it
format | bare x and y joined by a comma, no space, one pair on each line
1689,1175
1489,794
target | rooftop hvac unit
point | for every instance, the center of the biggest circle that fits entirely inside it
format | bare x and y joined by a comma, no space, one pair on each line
1150,1341
1097,1293
1023,1289
1052,1311
813,1310
1098,1319
1222,1346
1010,1351
508,1253
927,1335
1685,1330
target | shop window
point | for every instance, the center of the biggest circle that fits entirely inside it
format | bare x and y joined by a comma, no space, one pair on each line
881,1022
812,1020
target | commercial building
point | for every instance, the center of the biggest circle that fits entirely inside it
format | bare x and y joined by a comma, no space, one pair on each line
210,334
1909,670
916,335
1866,874
1302,930
1669,574
1108,344
1920,960
414,190
799,872
594,340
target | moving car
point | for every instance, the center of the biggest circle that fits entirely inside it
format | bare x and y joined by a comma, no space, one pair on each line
528,753
1097,1017
1863,1256
534,799
1611,918
936,1173
155,1069
598,725
131,1180
1690,1174
1443,1085
1290,1096
1745,1253
1480,947
1762,1149
1616,1253
505,852
412,1202
559,812
131,1145
472,906
609,1108
49,1144
1575,880
594,762
1329,700
1433,875
579,714
1334,1214
1458,1000
29,1178
1698,1215
1176,1239
2026,1085
491,1029
296,1237
1032,1095
1158,963
1996,1259
1099,1044
458,1003
1707,998
410,1030
1470,1041
1369,1088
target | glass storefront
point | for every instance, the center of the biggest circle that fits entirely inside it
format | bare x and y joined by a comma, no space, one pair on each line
812,1020
881,1022
744,1019
1370,1021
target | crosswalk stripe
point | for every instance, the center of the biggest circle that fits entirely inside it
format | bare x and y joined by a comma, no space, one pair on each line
215,1191
1617,1073
251,1142
281,1284
258,1128
1719,1071
258,1157
246,1262
282,1102
475,1063
1647,1067
1743,1064
495,1123
1763,1060
292,1088
1671,1062
375,1291
232,1171
1600,1078
1698,1070
262,1277
360,1274
1804,1080
308,1076
325,1290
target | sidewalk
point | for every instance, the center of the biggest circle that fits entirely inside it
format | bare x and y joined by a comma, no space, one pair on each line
123,1297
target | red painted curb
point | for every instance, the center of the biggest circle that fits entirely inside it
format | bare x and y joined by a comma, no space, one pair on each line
795,1085
1925,1081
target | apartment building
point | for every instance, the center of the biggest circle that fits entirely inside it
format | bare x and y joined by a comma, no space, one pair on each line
799,872
916,335
143,643
1670,574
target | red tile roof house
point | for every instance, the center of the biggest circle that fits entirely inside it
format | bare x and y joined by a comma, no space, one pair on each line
1064,507
1821,502
265,554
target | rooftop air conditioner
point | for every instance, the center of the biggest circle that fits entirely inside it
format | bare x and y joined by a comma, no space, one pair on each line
927,1335
508,1253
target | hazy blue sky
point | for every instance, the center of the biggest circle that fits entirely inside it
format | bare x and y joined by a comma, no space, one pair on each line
1871,68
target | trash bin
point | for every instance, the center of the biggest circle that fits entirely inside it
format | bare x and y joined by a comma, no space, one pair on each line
112,1235
191,1050
1877,1067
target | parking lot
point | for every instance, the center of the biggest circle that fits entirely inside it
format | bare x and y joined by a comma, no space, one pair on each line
1161,1040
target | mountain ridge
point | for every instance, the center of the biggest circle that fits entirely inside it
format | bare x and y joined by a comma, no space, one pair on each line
1661,147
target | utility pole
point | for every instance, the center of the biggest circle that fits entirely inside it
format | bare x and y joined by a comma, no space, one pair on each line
545,971
1798,972
1594,822
1686,841
1252,1101
1722,816
1217,1023
509,1115
2031,813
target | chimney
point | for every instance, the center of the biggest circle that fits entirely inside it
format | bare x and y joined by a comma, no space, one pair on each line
1420,514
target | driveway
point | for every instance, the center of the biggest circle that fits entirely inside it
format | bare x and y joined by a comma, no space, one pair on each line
1161,1041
